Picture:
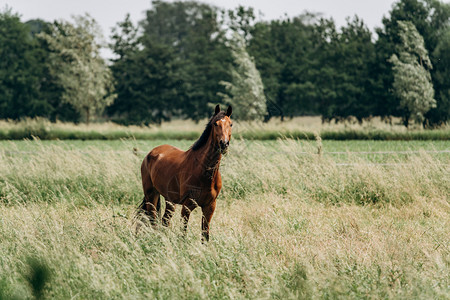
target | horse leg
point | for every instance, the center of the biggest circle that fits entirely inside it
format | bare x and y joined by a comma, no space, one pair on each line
170,209
208,212
151,204
188,206
158,207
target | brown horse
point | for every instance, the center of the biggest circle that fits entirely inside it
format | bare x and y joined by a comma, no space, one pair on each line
191,177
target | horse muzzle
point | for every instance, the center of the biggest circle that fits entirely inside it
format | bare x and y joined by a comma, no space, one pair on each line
224,146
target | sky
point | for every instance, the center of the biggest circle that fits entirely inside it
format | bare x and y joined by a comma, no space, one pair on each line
108,12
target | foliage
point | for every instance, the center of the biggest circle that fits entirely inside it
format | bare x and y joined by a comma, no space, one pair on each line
431,18
28,89
412,80
246,91
76,63
441,56
310,67
193,32
346,61
283,53
125,37
146,76
172,64
240,20
20,71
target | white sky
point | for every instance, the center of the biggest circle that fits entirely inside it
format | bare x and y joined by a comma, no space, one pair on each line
108,12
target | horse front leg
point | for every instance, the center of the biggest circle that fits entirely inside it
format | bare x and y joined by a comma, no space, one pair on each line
188,206
208,212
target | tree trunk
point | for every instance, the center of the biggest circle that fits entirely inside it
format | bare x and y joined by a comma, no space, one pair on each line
406,120
87,116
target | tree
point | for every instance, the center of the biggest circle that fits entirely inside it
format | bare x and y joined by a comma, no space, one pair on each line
308,66
350,55
50,91
20,70
412,79
240,20
284,51
246,91
262,48
76,63
126,73
431,18
441,114
146,73
125,37
195,36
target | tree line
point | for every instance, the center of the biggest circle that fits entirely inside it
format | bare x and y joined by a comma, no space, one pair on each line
184,57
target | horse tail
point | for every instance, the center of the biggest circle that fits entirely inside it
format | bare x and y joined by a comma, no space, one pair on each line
158,205
141,207
150,191
147,183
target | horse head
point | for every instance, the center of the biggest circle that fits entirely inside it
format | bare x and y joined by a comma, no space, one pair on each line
222,129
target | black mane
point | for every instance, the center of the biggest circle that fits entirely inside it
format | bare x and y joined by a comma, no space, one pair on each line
205,135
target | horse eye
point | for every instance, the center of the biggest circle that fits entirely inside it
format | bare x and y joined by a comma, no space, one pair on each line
231,125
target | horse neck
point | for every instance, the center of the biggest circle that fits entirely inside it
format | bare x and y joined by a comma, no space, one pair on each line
212,156
209,157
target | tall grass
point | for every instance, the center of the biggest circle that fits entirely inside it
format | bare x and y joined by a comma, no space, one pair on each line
297,128
289,224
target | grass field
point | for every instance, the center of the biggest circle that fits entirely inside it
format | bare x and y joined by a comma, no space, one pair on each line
305,128
364,219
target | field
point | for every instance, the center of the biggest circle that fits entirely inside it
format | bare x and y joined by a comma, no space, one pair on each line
305,128
295,220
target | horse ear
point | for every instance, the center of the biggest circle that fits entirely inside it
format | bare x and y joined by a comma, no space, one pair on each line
229,111
217,109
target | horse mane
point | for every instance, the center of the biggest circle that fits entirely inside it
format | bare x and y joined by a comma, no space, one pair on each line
206,133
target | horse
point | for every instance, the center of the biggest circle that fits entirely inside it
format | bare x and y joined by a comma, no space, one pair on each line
190,178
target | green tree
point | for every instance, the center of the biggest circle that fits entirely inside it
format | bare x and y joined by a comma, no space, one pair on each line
146,75
50,91
245,91
125,70
193,32
310,74
350,54
240,20
125,37
283,52
76,63
412,79
431,18
441,114
20,70
308,66
262,48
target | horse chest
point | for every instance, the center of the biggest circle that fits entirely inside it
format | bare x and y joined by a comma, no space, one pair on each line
202,189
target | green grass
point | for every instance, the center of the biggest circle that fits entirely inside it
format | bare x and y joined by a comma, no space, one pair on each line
378,135
349,134
147,145
304,128
289,223
373,151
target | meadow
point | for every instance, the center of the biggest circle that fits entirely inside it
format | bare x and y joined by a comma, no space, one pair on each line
296,219
305,128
